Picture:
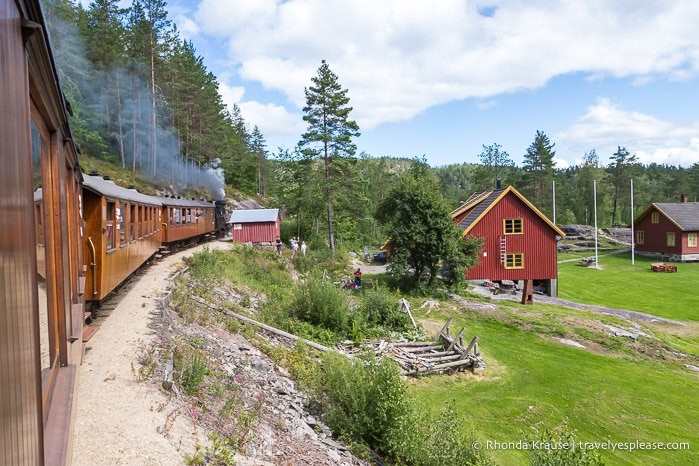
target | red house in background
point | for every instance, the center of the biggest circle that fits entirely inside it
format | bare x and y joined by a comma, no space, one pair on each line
255,225
669,231
520,241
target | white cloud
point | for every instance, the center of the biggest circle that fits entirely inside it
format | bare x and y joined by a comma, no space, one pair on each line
273,120
605,126
400,57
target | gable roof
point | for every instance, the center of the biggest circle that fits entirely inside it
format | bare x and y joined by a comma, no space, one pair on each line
254,215
481,204
685,215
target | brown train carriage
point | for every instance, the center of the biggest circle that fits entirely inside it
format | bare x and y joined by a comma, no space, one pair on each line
41,301
122,231
185,221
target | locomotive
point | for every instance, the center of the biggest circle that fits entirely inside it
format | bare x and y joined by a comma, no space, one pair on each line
65,238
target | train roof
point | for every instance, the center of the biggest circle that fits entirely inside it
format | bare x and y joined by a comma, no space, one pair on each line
181,202
108,188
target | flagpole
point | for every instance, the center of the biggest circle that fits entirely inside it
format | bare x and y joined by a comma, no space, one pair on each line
554,202
633,238
594,190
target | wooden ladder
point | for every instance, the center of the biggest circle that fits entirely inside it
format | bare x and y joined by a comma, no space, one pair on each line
503,249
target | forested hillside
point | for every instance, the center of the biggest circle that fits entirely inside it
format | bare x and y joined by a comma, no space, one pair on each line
144,100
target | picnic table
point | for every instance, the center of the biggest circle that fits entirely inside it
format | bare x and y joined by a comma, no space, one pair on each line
662,267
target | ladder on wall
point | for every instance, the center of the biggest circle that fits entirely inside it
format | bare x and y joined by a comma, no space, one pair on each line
503,249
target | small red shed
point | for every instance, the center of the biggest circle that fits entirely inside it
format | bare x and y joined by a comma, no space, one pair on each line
520,241
255,225
669,231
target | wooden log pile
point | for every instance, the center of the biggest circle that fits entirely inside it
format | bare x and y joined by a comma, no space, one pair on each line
447,355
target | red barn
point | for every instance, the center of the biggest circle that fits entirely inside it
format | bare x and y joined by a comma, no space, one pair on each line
520,241
668,231
255,225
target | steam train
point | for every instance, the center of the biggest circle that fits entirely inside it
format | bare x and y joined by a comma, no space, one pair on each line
125,228
65,239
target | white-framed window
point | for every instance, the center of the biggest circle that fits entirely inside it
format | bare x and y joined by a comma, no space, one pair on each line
237,226
670,238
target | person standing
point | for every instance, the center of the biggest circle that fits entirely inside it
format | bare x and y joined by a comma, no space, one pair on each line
303,247
294,247
358,278
278,245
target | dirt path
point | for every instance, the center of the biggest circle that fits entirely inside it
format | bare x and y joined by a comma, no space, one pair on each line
120,421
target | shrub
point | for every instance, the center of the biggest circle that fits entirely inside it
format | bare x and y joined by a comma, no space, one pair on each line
380,307
564,450
362,398
322,303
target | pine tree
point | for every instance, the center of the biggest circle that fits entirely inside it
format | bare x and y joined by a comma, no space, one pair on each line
329,136
622,161
539,170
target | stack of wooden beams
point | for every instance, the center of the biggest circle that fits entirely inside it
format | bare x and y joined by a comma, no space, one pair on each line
446,355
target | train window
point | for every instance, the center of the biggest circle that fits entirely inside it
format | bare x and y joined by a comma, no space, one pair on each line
184,216
49,341
139,217
189,215
177,216
121,214
132,223
109,225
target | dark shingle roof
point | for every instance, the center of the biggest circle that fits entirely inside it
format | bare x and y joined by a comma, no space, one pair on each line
684,214
480,208
254,215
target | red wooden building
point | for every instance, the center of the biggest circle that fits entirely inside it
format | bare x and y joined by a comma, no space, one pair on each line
520,241
255,225
669,231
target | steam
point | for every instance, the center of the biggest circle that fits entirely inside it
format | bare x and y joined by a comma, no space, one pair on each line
130,116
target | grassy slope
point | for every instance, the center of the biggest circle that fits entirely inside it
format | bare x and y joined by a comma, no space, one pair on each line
531,380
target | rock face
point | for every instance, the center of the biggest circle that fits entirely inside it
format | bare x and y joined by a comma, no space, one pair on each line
283,431
582,238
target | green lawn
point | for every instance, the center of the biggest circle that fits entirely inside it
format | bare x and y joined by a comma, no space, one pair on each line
531,381
635,287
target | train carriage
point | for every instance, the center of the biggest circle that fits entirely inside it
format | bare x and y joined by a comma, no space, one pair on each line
41,271
185,221
122,232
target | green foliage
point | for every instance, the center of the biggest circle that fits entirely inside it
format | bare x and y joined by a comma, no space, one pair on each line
421,231
322,303
365,401
219,452
191,367
560,448
362,398
539,167
380,308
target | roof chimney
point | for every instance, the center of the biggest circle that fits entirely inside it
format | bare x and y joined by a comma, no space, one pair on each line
94,172
497,183
684,198
106,177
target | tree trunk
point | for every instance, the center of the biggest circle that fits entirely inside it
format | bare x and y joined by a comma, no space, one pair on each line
119,122
154,137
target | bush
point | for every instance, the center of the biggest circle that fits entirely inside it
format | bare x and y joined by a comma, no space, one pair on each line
380,308
322,303
365,401
362,398
564,450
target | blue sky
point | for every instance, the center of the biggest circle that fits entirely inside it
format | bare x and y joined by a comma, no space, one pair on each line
443,78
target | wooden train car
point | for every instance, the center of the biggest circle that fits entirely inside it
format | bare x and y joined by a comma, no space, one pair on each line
122,232
185,221
41,299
